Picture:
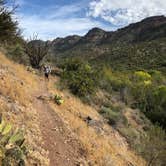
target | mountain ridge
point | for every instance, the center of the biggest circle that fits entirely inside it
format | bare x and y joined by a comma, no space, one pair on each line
131,47
153,22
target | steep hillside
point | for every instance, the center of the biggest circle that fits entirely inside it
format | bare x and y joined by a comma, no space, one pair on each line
58,135
102,144
65,43
16,88
130,45
23,107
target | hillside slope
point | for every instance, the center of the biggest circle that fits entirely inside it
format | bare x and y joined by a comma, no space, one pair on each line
21,105
16,87
58,135
123,49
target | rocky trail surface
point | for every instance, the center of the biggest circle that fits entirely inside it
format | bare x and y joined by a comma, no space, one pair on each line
63,148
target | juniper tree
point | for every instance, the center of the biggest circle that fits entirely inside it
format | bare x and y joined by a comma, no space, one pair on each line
9,30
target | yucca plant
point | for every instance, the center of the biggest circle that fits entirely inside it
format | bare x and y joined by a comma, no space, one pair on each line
12,148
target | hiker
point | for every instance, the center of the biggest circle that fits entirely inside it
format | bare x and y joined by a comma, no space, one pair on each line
47,71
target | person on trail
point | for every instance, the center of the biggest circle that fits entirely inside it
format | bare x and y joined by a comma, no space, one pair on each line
47,71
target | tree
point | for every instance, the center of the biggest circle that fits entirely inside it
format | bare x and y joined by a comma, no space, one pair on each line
36,51
9,30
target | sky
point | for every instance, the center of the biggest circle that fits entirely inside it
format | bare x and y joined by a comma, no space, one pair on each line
59,18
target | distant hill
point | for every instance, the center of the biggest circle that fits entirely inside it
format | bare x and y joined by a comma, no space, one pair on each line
140,45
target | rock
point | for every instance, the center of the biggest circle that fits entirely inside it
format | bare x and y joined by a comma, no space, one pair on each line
88,119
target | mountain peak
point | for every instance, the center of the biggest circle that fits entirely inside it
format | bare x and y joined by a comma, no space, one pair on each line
95,31
95,35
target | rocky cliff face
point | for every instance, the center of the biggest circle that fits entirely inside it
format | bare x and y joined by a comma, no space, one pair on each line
95,35
65,43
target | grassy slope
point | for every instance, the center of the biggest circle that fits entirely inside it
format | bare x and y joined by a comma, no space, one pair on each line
16,88
103,145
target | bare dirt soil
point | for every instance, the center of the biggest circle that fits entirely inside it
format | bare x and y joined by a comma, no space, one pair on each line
63,148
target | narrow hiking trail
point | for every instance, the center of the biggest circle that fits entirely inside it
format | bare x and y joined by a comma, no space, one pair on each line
62,134
63,148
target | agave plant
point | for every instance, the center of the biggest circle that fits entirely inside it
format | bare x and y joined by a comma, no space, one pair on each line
12,148
58,99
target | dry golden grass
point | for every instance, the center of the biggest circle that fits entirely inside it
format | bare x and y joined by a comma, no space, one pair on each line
101,148
15,82
16,89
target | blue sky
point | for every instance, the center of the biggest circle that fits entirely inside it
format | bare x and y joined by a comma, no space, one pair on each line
60,18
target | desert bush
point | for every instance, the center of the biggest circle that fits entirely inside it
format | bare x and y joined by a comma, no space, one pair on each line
114,115
131,134
157,76
79,77
152,146
16,53
156,106
148,96
140,89
142,76
116,80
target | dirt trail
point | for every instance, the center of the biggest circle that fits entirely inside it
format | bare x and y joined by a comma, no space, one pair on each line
63,148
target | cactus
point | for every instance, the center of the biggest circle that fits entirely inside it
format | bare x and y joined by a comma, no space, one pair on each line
6,129
16,137
4,139
2,124
12,148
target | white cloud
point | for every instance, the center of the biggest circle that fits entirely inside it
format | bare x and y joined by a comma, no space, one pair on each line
57,22
52,28
122,12
64,11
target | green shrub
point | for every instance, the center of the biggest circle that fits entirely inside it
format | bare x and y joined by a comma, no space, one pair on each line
157,77
16,53
130,133
140,89
142,76
149,96
116,81
79,77
152,146
58,99
113,115
157,106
